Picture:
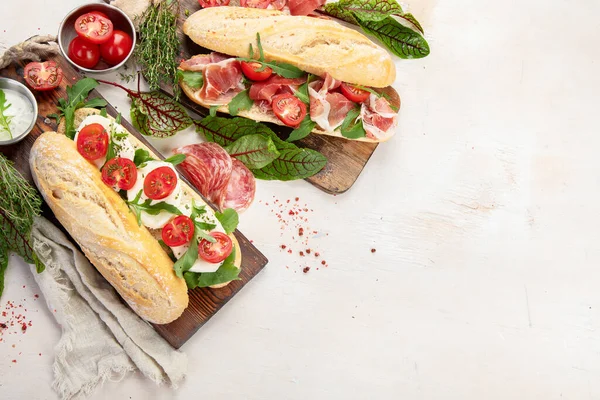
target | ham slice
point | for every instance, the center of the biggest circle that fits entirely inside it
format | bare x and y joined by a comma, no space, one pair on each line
199,63
273,86
327,109
379,119
240,190
222,81
223,180
304,7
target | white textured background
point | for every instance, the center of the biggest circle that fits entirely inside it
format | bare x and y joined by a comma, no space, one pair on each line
483,211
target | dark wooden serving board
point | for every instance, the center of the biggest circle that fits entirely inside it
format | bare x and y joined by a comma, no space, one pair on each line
346,158
204,302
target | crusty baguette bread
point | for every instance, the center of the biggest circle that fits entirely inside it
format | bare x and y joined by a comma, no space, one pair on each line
99,220
83,113
314,45
256,114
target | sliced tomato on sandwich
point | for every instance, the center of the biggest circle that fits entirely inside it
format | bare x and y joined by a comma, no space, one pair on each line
289,109
119,172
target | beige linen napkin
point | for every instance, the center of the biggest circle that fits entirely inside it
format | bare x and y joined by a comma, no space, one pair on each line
101,337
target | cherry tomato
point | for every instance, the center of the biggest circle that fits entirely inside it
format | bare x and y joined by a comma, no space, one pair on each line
217,251
100,13
178,231
250,69
94,27
83,53
43,76
92,142
353,93
255,3
213,3
160,183
289,109
116,48
120,172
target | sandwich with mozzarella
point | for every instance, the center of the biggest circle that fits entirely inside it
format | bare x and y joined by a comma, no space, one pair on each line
311,74
145,230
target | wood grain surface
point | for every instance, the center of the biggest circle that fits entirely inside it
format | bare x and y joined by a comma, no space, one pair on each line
346,158
204,302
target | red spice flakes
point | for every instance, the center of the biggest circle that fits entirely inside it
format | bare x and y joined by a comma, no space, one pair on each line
40,354
283,246
14,361
373,250
297,198
300,231
307,251
301,254
290,251
323,262
24,327
317,254
306,269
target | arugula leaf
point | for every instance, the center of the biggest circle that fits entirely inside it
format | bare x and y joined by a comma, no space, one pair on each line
152,209
102,112
292,164
3,266
201,227
255,151
193,79
229,219
175,159
212,111
302,92
282,69
241,101
188,259
302,131
5,119
141,156
351,128
96,102
226,272
76,95
225,131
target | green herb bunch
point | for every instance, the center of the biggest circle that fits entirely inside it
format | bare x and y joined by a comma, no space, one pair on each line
19,204
158,46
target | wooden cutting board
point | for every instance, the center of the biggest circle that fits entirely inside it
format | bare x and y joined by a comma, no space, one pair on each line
346,158
204,302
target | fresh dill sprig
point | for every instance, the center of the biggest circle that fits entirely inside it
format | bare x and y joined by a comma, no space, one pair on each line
5,119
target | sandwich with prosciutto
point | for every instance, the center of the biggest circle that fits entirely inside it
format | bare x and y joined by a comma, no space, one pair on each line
310,74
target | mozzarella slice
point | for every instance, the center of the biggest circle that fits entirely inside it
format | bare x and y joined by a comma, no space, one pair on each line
123,146
175,198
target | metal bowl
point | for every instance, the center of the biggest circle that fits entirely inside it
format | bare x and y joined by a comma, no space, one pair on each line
66,32
6,83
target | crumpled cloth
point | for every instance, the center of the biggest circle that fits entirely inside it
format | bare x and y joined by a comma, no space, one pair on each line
102,338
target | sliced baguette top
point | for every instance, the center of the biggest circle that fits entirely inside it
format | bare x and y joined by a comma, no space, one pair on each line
99,220
314,45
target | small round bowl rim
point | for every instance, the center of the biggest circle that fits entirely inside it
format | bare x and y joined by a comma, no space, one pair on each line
31,98
99,5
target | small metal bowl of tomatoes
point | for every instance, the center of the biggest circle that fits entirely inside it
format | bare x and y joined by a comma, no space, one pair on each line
96,37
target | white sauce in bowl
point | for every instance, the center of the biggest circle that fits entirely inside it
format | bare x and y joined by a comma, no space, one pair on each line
21,112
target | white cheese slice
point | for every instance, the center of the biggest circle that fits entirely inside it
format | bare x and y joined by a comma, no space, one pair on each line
175,198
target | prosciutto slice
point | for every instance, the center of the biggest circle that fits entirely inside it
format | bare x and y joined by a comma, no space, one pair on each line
222,78
304,7
273,86
240,189
328,109
223,180
379,119
199,63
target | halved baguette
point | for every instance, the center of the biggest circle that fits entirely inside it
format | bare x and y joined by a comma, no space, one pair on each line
257,114
314,45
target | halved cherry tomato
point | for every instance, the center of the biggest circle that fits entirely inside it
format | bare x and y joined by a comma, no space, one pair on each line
92,142
83,53
100,13
217,251
289,109
160,183
178,231
213,3
116,48
43,76
353,93
120,172
250,69
255,3
94,27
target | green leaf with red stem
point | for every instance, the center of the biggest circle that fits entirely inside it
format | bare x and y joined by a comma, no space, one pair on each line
255,151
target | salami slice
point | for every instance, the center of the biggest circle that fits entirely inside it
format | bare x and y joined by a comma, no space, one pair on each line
208,167
240,188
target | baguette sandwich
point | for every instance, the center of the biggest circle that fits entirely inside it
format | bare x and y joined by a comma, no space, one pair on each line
116,199
311,74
